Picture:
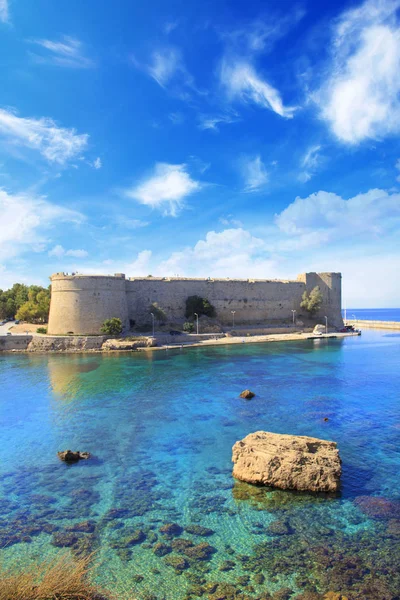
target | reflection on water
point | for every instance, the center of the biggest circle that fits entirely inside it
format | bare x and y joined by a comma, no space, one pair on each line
158,503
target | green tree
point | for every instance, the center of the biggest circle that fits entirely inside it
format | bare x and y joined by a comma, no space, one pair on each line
188,327
112,326
36,308
312,302
201,306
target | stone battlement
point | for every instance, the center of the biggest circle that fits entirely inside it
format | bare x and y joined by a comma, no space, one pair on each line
81,303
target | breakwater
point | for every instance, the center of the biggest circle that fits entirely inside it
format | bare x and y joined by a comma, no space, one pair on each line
374,324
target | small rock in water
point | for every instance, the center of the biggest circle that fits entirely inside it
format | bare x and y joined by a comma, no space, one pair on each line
326,419
71,456
247,395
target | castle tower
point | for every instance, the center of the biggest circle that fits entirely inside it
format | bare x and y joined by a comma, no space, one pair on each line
330,285
81,303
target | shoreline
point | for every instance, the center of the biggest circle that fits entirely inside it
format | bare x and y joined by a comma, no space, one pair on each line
222,341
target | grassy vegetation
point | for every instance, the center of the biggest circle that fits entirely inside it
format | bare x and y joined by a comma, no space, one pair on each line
59,579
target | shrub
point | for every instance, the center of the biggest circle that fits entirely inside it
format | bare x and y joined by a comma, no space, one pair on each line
188,327
158,312
312,302
201,306
112,326
61,578
41,330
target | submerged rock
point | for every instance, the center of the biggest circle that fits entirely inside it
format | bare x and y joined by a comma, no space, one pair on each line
71,456
378,507
287,462
247,395
199,530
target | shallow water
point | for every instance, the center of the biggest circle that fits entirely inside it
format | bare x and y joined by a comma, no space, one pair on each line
161,427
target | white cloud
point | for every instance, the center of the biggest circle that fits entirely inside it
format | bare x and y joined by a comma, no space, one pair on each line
229,253
230,220
243,83
68,52
360,99
58,251
397,165
140,266
166,188
176,118
56,144
123,221
254,173
261,34
164,65
25,220
310,163
97,164
170,26
212,122
375,213
4,16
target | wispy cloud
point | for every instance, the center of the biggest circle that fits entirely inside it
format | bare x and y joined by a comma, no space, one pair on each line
167,67
176,118
213,121
4,14
254,173
28,218
123,221
261,34
243,83
97,164
166,188
59,252
67,52
310,163
164,65
361,97
170,26
56,144
230,220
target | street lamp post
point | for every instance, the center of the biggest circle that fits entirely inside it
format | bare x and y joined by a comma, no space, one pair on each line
326,324
294,318
354,317
152,316
197,322
233,318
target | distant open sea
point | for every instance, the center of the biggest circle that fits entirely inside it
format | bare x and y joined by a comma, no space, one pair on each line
374,314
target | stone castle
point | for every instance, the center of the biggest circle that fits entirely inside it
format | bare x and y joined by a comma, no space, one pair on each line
81,303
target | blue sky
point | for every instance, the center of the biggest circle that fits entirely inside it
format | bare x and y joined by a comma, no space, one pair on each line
202,138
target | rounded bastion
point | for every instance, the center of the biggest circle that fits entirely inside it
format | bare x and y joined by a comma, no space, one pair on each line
81,303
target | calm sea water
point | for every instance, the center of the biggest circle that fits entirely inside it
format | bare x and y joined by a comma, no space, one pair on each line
374,314
161,427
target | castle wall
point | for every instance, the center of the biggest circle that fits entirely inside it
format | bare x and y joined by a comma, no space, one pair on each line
252,300
81,303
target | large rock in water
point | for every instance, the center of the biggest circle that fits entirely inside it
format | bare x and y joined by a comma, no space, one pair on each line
288,462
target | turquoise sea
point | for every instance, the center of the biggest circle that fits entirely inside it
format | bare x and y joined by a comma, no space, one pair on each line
161,425
373,314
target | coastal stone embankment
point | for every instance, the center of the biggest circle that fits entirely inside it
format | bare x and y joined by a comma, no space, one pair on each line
374,324
288,462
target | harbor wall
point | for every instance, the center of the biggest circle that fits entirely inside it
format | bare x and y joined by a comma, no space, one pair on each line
374,324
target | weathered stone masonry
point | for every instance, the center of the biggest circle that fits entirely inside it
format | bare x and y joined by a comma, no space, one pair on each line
81,303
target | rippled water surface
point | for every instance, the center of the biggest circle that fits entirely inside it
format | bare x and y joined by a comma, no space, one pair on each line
161,427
